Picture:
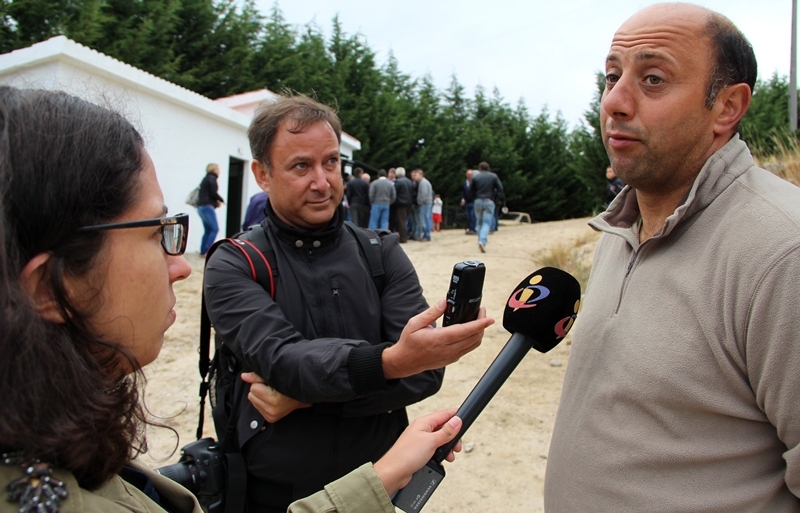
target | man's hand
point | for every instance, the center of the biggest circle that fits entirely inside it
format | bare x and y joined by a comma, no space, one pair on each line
271,404
415,447
422,347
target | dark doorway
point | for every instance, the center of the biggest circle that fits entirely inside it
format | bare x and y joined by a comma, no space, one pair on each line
234,200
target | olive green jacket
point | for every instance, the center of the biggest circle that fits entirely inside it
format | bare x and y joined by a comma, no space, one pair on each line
116,496
360,491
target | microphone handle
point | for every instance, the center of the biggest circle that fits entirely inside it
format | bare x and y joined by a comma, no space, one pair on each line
498,372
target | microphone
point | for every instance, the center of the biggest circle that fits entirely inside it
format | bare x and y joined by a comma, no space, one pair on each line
539,314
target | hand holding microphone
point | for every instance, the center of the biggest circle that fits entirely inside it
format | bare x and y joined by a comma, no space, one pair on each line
539,314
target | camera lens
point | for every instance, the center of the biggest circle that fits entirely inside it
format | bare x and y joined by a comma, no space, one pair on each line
184,473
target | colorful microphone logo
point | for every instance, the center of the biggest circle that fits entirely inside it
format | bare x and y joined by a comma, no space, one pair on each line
564,325
529,295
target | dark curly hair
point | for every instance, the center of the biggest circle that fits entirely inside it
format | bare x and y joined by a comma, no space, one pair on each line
64,163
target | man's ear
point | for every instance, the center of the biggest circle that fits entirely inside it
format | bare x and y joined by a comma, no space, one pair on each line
261,175
35,282
732,104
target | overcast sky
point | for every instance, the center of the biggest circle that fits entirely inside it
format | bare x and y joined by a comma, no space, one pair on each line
546,52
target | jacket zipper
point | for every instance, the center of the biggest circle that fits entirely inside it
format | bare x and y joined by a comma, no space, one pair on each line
637,255
338,306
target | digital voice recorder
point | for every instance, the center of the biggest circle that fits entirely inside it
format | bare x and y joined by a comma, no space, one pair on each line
465,292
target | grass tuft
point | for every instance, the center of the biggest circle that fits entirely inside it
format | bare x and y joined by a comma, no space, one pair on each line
785,162
573,257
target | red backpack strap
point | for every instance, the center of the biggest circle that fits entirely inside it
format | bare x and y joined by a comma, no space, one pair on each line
263,272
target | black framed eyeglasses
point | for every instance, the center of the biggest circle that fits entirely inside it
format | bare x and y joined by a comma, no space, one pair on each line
174,231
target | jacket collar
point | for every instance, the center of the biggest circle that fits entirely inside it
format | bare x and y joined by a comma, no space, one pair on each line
717,174
303,238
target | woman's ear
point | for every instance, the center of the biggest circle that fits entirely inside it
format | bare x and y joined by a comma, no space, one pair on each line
35,282
733,102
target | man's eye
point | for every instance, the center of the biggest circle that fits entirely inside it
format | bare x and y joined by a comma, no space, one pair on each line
653,80
611,78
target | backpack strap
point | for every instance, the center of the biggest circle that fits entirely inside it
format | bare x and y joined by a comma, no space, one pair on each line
370,243
263,271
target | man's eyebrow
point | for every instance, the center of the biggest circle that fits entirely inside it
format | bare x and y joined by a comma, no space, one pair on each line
649,56
641,56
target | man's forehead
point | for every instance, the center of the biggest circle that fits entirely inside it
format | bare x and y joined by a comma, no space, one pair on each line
662,24
295,126
668,32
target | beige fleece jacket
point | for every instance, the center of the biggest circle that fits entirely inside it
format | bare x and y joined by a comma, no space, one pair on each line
682,392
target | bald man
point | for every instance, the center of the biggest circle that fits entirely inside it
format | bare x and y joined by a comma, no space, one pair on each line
683,392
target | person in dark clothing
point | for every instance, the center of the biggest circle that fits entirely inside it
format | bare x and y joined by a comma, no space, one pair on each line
209,201
485,188
404,189
336,390
357,193
614,186
255,210
468,202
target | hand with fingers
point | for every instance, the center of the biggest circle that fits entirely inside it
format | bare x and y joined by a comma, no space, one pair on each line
422,347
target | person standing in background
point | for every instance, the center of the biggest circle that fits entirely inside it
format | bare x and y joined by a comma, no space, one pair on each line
403,188
484,188
614,186
255,210
357,192
207,203
381,196
391,175
436,213
425,203
468,202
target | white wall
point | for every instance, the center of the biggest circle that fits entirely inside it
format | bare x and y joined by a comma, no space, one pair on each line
180,140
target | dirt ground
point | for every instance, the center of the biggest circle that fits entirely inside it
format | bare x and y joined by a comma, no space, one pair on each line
502,467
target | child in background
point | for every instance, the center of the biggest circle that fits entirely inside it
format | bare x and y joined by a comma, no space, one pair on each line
436,213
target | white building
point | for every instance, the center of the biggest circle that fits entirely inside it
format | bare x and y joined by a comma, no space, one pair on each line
183,131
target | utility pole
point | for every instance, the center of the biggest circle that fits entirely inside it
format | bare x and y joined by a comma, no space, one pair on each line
793,72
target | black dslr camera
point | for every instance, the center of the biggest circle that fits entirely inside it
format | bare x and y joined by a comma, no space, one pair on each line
200,471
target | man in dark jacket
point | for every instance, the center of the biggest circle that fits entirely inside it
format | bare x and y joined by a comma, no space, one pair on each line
209,200
404,189
255,210
358,198
334,369
485,188
614,185
468,203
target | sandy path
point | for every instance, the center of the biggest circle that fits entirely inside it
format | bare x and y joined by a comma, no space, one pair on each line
504,470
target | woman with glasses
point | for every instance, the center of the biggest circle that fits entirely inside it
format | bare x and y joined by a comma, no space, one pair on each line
87,268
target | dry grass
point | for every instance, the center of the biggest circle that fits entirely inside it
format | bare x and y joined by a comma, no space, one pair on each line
573,257
786,162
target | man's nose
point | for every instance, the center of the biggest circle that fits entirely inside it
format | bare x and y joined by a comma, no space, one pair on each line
319,179
618,100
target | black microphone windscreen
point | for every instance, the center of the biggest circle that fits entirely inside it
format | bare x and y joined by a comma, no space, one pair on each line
544,307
